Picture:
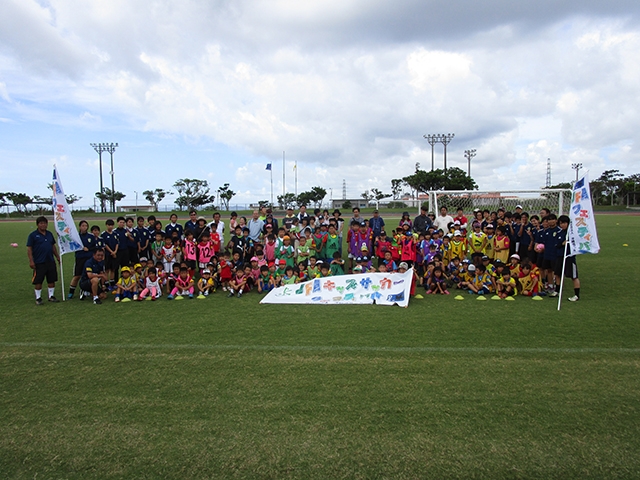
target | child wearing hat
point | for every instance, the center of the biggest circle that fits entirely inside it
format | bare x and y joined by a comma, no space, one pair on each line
127,286
206,284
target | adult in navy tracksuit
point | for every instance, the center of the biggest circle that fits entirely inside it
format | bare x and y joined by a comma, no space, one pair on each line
123,245
144,239
376,223
174,226
89,244
192,223
132,241
41,250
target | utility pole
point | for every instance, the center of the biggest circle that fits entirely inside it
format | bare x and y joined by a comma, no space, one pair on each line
111,147
445,139
432,139
99,148
469,154
576,167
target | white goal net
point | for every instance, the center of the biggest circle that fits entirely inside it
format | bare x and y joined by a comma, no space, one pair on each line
531,201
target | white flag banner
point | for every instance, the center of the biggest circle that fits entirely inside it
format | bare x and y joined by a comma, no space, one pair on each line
365,288
583,237
68,237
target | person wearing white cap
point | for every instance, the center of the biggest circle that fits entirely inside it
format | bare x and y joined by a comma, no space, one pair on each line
458,246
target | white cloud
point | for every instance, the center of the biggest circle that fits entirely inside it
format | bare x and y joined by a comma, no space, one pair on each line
347,91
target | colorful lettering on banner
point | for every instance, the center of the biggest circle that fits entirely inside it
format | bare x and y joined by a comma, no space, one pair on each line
582,233
347,289
68,238
329,285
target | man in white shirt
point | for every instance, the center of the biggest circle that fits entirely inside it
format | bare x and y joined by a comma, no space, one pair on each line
443,220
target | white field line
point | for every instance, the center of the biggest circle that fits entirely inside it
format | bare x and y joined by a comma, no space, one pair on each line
318,348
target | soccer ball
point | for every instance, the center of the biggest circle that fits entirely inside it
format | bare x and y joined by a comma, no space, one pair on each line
539,247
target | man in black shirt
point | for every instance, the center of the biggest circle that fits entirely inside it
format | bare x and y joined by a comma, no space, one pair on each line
422,222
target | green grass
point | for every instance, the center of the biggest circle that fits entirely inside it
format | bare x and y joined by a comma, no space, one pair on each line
230,388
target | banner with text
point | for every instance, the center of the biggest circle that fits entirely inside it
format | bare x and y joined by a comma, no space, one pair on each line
68,237
583,237
367,288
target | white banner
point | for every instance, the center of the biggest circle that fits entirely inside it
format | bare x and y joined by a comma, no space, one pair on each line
68,237
583,237
366,288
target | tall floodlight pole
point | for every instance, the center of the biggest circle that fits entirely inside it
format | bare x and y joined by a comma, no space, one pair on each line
99,148
576,167
111,147
469,154
432,139
445,139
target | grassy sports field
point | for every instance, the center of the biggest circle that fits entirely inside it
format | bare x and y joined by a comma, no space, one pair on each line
225,387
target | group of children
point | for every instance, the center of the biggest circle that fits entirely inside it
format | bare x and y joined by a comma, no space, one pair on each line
497,252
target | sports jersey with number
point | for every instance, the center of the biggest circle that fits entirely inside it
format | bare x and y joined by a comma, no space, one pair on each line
458,249
189,250
205,252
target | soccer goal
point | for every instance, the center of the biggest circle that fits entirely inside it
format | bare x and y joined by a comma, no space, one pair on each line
531,201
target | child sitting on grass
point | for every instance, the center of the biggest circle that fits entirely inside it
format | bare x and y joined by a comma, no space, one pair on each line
183,285
506,285
437,282
126,288
152,286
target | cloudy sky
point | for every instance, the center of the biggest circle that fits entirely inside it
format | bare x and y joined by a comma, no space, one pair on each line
217,89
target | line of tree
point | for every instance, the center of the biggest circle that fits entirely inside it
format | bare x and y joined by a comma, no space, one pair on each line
24,203
422,181
313,197
612,188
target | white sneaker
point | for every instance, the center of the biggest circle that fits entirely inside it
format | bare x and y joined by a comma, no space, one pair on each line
553,294
575,298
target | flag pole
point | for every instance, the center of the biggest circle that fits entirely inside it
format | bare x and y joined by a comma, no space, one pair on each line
564,264
64,297
271,172
283,179
53,211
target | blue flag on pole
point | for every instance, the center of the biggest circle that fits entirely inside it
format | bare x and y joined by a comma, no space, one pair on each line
268,166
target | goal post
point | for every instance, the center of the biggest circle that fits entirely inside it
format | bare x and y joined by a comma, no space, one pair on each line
557,200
